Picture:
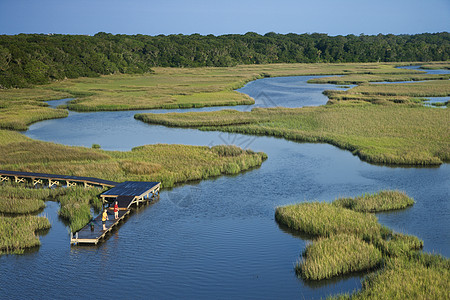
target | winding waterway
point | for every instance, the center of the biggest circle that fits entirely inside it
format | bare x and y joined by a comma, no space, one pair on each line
218,238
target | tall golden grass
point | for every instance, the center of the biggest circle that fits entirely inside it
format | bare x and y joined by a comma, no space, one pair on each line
338,254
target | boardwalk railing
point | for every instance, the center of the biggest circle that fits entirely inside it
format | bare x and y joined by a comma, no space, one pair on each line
53,179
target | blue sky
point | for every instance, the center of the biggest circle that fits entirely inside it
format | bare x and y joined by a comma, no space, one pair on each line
221,17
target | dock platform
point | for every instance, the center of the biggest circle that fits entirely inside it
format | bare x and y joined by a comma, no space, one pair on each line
126,194
92,236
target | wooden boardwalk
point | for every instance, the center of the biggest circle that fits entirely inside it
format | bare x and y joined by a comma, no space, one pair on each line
53,179
126,194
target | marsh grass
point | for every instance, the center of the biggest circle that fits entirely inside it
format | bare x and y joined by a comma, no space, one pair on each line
419,276
20,199
76,203
169,164
22,107
20,205
378,134
178,87
347,240
227,117
19,233
435,66
381,201
398,244
336,255
367,78
320,219
435,88
388,94
200,87
75,208
19,117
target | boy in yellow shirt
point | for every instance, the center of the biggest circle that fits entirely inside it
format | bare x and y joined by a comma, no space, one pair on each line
104,218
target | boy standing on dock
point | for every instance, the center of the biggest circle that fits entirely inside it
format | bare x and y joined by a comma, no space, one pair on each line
116,210
104,218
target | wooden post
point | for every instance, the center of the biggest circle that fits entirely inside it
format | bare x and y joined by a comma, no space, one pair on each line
52,183
70,184
18,179
37,181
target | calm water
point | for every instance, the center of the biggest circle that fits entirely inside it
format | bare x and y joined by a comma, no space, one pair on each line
436,100
218,238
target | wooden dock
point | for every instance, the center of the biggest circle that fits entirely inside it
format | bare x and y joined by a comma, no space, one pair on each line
126,194
88,235
53,179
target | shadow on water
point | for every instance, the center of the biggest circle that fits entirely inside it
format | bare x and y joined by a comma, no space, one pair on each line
295,233
318,284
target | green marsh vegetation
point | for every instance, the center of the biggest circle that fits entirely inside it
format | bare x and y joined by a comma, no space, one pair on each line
436,66
19,233
318,219
381,201
391,134
18,228
169,164
76,203
185,87
416,276
338,254
172,88
361,79
350,239
21,107
19,201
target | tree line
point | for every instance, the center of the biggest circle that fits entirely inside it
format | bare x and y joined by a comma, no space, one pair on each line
28,59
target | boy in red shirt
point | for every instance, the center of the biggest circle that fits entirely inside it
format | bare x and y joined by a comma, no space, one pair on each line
116,210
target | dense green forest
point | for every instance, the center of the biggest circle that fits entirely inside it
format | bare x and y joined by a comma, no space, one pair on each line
27,59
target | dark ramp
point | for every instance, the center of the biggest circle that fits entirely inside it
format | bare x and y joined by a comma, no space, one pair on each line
124,202
132,188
